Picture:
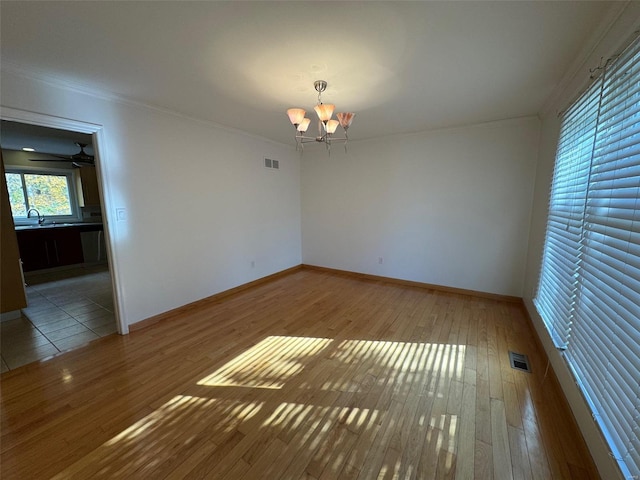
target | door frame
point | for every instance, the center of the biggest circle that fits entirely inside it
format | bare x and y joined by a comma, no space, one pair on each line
100,152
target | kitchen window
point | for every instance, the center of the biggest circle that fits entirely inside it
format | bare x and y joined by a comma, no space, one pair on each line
50,191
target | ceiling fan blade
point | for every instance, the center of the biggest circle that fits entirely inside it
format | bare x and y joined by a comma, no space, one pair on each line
78,159
81,158
50,160
63,157
75,162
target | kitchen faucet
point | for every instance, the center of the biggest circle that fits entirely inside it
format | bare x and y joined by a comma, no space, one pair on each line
40,217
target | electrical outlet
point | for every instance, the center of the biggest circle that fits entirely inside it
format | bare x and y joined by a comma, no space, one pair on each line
380,260
253,264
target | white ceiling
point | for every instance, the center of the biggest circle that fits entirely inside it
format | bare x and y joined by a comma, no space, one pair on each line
401,66
15,136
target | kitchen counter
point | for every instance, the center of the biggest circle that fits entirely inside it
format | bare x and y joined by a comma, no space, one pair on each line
84,226
59,244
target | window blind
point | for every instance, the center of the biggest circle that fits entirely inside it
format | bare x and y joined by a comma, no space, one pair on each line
591,302
556,290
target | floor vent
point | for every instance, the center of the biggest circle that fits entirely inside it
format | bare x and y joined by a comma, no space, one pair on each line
519,361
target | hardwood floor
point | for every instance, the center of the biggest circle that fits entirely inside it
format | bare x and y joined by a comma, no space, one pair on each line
314,375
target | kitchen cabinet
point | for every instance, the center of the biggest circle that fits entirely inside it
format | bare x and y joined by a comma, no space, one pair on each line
49,247
89,182
12,294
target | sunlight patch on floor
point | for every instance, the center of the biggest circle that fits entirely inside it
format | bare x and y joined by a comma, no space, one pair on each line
323,392
271,363
268,364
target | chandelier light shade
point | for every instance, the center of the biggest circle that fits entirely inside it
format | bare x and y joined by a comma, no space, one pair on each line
304,124
345,119
296,115
324,111
331,126
326,125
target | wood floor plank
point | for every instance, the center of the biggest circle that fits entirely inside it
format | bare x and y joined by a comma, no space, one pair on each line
466,444
313,375
483,397
500,441
519,457
483,461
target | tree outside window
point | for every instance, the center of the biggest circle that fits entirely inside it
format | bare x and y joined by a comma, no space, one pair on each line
49,193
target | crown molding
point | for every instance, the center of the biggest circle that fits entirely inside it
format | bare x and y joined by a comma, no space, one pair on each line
579,64
55,81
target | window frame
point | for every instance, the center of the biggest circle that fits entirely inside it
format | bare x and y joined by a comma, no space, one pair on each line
72,182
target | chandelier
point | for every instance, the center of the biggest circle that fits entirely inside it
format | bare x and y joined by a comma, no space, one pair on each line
326,125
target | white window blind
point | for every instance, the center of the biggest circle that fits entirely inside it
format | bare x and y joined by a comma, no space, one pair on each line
557,286
589,289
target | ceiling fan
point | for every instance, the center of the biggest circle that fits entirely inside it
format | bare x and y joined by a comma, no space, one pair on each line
80,159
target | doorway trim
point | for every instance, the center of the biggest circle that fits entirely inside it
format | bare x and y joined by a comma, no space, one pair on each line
99,144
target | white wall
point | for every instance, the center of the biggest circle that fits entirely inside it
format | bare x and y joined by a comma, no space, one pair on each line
449,207
604,47
200,205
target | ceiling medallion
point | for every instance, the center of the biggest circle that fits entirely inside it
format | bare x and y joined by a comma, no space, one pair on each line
326,125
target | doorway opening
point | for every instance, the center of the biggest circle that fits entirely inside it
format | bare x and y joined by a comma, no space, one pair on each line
70,303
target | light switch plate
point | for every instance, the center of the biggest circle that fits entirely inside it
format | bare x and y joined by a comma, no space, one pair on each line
121,214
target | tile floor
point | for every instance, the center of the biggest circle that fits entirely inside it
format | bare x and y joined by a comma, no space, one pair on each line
66,309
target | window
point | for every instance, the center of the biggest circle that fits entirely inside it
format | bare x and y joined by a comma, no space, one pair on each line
48,191
589,288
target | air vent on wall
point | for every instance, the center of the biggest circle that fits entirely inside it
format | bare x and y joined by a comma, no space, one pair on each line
274,164
519,361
